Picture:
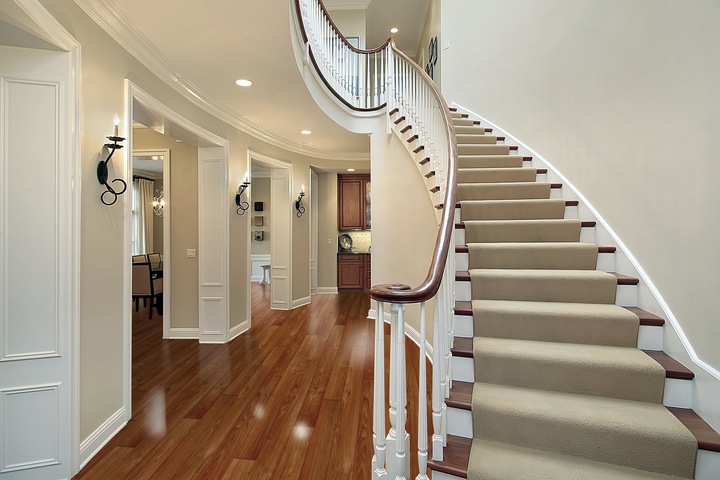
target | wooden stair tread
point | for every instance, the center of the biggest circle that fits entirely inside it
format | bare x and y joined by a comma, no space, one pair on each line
419,149
708,439
462,347
424,161
394,111
673,368
466,249
400,120
430,174
527,159
513,147
461,225
405,128
541,171
412,139
556,185
456,456
568,203
452,109
460,395
647,318
621,279
435,189
606,249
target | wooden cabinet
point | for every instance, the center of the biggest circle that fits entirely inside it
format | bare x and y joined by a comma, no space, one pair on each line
353,273
354,202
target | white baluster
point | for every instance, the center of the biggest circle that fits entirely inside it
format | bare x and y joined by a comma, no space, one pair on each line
401,447
437,438
378,465
422,403
392,434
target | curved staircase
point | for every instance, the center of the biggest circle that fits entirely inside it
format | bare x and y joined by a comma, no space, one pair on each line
546,358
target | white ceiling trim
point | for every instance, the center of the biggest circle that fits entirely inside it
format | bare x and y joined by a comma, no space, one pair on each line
109,17
346,4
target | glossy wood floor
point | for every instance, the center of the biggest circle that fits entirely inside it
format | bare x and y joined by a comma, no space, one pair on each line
291,398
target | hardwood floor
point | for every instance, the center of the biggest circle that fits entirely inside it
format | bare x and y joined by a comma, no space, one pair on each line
292,398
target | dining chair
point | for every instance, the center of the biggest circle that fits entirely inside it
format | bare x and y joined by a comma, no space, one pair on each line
144,286
155,264
139,258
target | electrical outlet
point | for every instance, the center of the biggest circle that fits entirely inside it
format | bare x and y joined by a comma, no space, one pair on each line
191,253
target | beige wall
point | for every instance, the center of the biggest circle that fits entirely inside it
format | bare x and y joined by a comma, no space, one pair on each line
261,193
352,23
404,222
327,230
184,223
430,30
105,66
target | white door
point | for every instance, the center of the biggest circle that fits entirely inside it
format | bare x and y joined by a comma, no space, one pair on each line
212,254
35,263
281,235
314,209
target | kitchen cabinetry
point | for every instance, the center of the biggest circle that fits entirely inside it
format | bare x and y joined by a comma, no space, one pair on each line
354,201
353,273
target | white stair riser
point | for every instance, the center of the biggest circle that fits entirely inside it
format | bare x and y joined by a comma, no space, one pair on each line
463,369
460,236
605,262
464,326
459,422
707,465
678,393
444,476
626,296
650,338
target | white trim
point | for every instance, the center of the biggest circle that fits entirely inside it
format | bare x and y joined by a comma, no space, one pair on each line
167,244
37,12
300,302
643,275
410,332
239,329
179,333
327,290
101,436
122,30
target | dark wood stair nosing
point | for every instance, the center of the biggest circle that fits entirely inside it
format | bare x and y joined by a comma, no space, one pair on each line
513,147
601,248
394,111
406,128
400,120
527,159
424,161
568,203
419,149
463,276
456,457
430,174
461,225
460,395
412,139
708,439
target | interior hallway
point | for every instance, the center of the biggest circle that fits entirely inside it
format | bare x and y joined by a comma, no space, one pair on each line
291,398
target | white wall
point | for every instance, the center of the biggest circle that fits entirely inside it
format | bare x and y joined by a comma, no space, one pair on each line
351,23
623,98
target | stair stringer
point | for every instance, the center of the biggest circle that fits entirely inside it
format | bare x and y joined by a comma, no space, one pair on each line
706,385
423,169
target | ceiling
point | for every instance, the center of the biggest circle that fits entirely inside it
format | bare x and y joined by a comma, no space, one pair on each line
215,42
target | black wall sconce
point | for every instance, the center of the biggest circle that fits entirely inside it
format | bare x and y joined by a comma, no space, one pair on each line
242,206
102,169
298,203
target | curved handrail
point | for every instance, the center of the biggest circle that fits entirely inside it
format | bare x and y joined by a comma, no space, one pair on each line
429,287
398,293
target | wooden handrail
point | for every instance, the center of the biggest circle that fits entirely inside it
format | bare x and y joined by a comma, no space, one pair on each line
398,293
425,291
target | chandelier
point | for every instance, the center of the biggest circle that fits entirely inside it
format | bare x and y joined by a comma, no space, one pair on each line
158,203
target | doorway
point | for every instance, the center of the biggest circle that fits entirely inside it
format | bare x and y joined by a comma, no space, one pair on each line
279,232
151,228
212,250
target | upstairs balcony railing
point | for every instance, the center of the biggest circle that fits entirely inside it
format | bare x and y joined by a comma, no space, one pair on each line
368,80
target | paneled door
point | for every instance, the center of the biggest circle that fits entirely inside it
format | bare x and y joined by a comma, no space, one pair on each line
280,240
36,264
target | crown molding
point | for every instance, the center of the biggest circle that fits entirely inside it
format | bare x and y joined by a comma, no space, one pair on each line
346,4
109,17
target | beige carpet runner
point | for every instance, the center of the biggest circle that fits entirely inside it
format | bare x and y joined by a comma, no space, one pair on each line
561,390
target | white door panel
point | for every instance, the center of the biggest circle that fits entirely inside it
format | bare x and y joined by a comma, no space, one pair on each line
35,264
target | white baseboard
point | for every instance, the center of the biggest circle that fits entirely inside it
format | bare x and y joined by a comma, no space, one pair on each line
239,329
327,290
101,436
301,301
184,333
410,332
256,278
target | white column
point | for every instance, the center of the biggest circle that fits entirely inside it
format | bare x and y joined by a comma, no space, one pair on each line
378,462
422,403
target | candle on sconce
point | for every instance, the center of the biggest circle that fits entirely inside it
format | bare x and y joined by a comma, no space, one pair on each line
116,122
303,188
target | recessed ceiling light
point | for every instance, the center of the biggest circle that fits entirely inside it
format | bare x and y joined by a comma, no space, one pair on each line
306,132
351,169
394,30
243,83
